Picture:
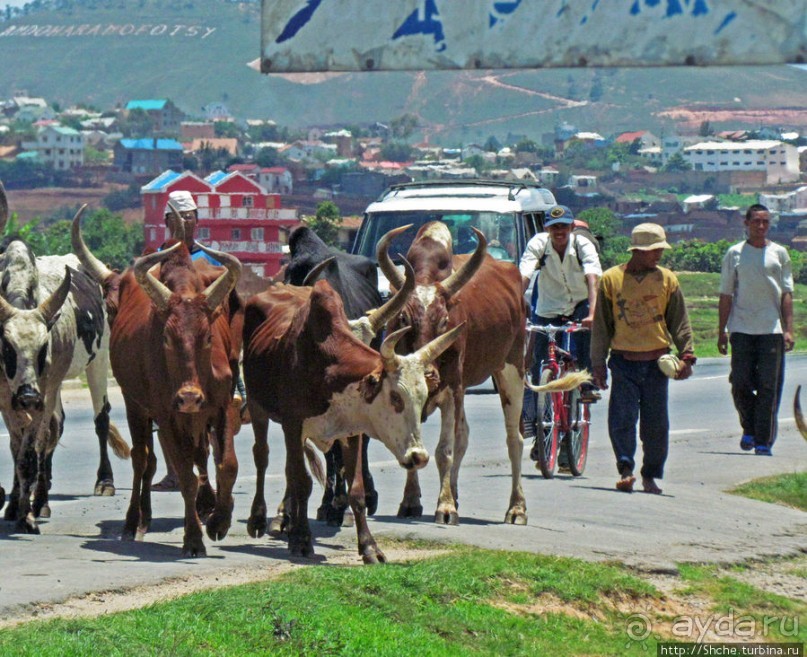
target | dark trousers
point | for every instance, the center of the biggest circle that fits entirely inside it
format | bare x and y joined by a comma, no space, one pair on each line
757,376
580,343
638,393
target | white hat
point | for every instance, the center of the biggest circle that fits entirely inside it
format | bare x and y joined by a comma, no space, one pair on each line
181,200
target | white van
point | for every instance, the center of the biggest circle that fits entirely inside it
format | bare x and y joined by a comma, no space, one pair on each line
508,213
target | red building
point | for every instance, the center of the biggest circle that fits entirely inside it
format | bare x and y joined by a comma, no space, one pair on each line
236,215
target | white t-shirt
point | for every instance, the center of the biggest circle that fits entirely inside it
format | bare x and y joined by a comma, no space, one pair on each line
756,278
561,285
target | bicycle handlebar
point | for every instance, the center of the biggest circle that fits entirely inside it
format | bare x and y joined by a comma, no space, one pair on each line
551,329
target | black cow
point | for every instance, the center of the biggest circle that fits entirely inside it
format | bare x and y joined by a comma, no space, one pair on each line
355,279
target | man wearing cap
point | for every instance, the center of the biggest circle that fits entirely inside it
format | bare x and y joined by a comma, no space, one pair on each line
640,314
756,306
189,215
566,288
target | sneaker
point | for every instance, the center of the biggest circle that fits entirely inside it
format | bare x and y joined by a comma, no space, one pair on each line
763,450
746,443
590,396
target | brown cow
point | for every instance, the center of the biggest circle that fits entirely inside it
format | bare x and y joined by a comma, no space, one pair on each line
172,353
486,295
305,370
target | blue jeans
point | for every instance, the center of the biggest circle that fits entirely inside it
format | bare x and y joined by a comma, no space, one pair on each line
580,342
638,393
757,376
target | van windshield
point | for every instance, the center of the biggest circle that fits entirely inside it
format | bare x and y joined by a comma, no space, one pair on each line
498,228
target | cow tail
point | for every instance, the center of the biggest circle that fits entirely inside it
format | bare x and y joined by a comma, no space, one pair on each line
119,446
314,462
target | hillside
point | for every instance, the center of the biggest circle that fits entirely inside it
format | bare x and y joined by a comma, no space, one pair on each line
105,52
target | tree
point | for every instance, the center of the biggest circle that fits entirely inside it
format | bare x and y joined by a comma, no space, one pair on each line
705,129
137,124
325,223
403,126
396,151
677,163
268,157
601,221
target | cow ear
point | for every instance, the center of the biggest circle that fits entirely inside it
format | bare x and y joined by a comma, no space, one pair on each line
370,385
432,378
53,321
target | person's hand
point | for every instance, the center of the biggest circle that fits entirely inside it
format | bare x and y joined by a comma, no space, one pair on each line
599,377
723,343
587,321
685,371
789,341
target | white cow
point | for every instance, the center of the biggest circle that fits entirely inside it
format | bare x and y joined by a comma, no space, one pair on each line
52,327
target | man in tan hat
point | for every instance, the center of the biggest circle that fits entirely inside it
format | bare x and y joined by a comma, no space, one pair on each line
640,306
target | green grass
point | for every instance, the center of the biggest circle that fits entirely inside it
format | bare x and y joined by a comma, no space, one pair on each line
701,293
469,602
788,489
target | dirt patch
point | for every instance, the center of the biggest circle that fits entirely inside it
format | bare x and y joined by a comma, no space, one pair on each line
43,202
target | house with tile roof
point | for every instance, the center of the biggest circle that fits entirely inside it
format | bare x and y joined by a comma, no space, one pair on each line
236,215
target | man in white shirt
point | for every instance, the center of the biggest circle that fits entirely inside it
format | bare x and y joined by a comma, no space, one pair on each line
755,314
569,269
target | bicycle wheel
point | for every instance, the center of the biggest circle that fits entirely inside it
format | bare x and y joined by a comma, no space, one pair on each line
545,447
575,442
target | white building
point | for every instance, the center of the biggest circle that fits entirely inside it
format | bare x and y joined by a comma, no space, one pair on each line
780,161
59,146
675,144
790,202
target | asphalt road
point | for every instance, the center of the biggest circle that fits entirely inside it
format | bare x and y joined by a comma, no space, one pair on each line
79,550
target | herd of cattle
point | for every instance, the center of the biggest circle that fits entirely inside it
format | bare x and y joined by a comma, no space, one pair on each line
174,331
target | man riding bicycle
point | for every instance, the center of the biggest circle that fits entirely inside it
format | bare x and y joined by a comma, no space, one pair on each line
566,288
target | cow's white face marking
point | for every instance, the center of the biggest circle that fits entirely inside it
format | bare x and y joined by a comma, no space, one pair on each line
393,415
439,233
25,340
426,294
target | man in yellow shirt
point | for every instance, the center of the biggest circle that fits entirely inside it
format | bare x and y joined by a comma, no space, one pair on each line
640,314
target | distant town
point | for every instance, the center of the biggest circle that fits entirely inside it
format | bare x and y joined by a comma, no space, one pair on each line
255,180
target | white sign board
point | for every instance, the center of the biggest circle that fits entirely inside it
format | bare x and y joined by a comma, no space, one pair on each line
361,35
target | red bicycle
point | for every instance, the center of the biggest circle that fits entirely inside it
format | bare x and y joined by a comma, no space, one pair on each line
557,419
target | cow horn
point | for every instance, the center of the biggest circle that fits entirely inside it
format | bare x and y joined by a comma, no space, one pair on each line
156,290
800,423
50,307
379,317
176,227
388,355
384,262
431,351
3,209
7,311
454,283
312,275
95,268
218,290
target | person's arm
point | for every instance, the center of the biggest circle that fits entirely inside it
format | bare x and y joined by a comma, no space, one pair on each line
787,320
591,282
528,262
677,320
723,311
602,331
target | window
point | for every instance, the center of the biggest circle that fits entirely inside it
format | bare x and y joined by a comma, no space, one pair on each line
249,201
152,234
235,234
201,200
204,233
256,234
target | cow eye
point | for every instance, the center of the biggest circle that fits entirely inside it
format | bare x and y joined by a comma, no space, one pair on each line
41,359
441,327
9,360
396,401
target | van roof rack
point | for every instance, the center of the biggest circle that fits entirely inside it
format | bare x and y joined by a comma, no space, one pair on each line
513,186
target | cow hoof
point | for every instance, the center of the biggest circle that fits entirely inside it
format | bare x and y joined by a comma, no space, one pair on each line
277,526
217,526
447,518
256,526
44,512
205,502
338,518
104,488
322,512
371,502
405,511
11,512
373,556
515,518
301,548
194,550
28,525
